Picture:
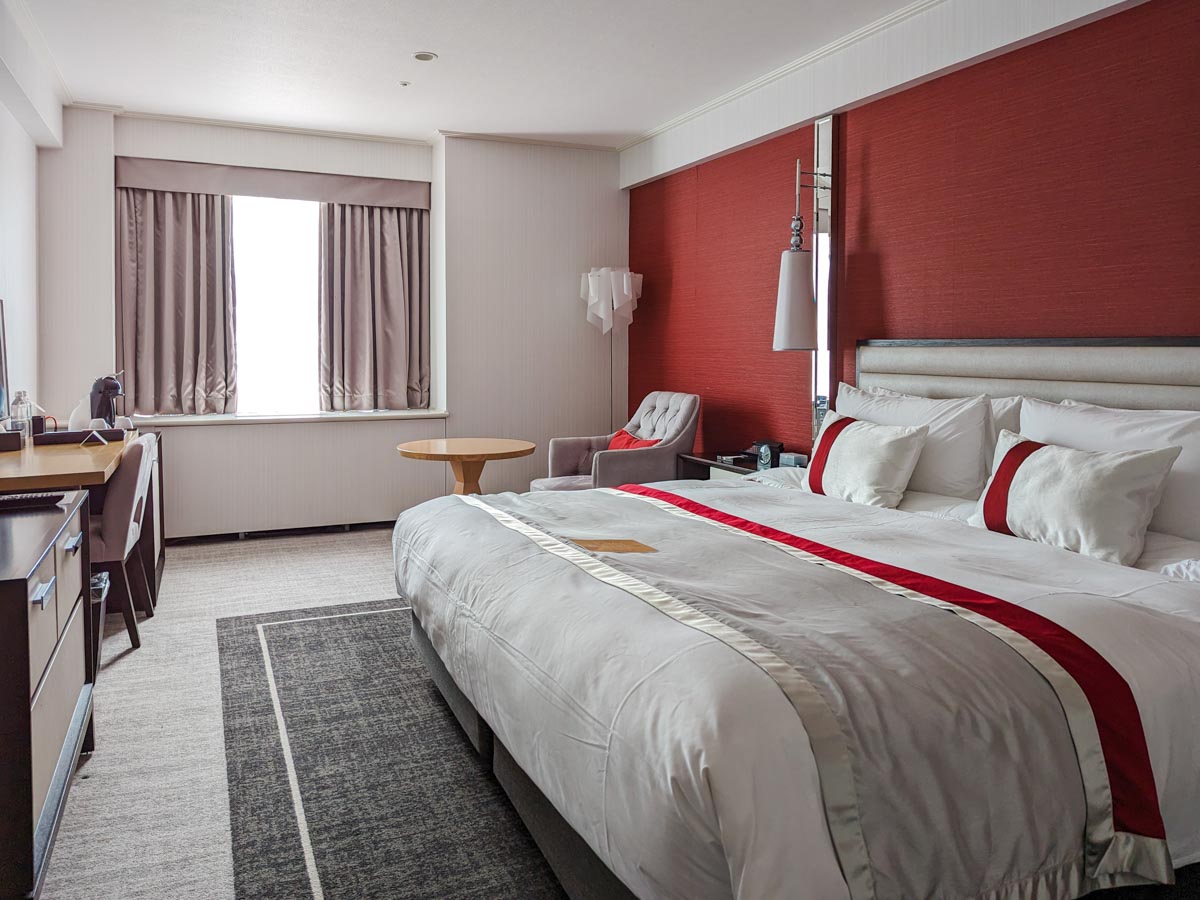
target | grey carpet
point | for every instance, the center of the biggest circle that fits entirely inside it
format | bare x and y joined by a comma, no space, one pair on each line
396,802
148,815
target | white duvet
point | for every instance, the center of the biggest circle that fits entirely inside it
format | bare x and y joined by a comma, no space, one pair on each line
684,768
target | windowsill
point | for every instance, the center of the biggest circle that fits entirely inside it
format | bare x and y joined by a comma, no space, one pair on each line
375,415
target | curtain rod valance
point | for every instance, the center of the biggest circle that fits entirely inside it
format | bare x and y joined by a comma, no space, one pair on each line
209,178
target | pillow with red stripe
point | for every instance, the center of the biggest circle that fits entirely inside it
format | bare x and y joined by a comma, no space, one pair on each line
863,462
623,440
1091,502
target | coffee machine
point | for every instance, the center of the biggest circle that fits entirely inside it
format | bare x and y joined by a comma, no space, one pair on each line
105,391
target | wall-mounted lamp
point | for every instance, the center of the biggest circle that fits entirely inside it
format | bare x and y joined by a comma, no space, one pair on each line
796,303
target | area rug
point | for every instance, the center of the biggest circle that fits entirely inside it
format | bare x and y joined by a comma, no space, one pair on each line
350,778
348,775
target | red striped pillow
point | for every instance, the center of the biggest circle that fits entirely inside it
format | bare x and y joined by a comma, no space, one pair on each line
863,462
1095,503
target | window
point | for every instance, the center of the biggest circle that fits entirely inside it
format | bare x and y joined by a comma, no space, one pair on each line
822,361
275,258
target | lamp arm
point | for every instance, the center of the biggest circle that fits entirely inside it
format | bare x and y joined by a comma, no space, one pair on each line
797,242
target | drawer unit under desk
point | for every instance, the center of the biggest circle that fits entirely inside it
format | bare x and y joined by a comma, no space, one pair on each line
55,586
54,706
45,685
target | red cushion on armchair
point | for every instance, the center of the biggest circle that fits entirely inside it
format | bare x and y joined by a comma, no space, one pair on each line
623,440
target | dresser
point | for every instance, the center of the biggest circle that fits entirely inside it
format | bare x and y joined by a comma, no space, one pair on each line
45,680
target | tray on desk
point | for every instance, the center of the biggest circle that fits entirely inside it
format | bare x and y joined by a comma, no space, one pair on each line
76,437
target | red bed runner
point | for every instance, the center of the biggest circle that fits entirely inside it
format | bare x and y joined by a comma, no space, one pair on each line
1118,722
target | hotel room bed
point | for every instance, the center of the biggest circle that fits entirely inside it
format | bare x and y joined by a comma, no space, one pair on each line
798,696
692,771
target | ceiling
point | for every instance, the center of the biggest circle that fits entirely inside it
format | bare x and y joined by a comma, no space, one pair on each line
584,71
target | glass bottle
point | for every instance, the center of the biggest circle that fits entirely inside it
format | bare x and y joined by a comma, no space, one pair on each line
21,413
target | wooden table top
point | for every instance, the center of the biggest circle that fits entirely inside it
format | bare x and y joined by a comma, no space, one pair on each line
58,466
448,449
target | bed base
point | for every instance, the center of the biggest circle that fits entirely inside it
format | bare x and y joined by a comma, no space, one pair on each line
582,874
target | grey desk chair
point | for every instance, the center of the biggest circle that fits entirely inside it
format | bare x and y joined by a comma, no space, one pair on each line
578,463
114,534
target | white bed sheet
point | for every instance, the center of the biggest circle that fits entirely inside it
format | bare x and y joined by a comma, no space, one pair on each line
729,802
1172,556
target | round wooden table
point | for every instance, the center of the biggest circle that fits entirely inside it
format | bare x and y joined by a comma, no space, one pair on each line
466,456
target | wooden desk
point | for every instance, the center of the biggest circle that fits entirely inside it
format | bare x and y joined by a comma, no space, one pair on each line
64,467
466,456
58,466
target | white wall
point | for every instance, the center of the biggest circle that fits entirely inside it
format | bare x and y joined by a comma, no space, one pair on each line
228,478
922,40
522,222
76,326
437,275
30,116
18,252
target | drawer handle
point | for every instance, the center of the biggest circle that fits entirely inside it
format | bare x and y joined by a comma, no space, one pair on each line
43,592
72,546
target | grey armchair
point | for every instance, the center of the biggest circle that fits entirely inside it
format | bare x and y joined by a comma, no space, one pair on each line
578,463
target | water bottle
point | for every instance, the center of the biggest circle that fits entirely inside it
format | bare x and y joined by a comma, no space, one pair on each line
21,413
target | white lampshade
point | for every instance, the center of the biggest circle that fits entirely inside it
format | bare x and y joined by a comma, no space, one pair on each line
795,308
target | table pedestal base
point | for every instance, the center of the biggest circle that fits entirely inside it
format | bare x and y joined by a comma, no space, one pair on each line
466,475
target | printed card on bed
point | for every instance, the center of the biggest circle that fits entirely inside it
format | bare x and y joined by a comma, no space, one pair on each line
612,546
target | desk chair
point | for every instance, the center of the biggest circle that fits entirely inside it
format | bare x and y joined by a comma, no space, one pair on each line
114,534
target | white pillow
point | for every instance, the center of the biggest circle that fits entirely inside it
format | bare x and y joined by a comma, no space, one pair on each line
955,460
863,462
1006,413
1092,502
1087,427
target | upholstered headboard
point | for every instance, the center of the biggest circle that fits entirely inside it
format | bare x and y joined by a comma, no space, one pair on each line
1137,373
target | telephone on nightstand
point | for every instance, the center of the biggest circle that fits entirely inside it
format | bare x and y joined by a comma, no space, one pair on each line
766,452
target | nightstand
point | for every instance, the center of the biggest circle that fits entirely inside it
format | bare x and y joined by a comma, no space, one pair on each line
704,466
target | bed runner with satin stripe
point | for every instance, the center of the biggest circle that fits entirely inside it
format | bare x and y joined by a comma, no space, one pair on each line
863,651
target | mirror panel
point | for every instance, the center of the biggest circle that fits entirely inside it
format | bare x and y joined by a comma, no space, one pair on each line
823,164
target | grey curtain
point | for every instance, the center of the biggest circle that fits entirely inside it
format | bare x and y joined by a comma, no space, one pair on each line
175,302
374,307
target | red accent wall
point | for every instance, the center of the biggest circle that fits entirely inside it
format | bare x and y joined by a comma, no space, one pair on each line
1053,191
708,241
